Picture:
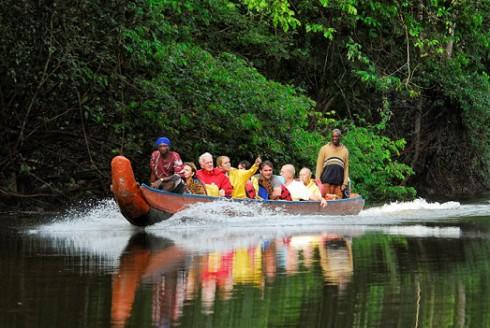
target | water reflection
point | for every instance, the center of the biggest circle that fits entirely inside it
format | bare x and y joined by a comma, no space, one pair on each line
177,277
336,260
97,271
146,258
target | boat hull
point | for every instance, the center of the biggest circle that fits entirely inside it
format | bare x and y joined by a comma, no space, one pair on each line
143,205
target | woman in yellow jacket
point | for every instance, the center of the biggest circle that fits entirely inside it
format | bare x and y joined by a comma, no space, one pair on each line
238,177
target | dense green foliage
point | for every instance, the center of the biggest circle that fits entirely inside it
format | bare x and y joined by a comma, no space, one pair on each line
79,84
374,171
426,62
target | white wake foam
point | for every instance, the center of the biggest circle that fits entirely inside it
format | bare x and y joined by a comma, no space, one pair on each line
421,210
419,204
423,231
101,230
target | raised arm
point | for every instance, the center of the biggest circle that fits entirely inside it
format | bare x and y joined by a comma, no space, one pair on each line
252,170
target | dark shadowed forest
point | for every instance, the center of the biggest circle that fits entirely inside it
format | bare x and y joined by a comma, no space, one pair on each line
406,81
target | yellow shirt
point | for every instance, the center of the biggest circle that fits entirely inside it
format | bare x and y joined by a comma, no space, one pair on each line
313,188
239,178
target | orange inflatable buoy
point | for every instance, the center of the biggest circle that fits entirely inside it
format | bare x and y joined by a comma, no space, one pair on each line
127,192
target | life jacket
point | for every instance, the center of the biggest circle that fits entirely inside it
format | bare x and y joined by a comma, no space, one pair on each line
253,190
250,190
285,194
263,193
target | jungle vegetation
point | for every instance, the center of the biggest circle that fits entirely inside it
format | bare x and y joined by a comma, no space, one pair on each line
406,81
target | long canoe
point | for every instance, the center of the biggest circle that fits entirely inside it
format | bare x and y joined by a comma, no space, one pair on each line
143,205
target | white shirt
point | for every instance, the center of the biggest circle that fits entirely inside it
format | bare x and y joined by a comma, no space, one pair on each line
298,190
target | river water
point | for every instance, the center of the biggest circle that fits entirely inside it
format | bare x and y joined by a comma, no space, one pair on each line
413,264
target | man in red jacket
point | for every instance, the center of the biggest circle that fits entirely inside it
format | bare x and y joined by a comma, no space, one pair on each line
212,177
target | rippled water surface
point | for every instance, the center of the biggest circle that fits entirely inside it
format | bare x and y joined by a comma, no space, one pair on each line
414,264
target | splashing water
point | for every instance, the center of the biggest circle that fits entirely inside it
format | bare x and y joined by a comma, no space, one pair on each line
415,205
421,210
423,231
103,231
222,212
99,217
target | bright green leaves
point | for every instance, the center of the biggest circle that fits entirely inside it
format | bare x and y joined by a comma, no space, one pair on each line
369,74
348,7
249,121
354,52
327,31
223,103
278,10
373,169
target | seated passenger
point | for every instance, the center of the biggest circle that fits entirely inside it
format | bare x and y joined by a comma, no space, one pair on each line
216,182
268,186
238,177
244,165
192,183
315,192
305,177
166,167
297,189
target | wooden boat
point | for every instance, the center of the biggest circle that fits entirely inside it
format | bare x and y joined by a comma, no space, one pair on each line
142,205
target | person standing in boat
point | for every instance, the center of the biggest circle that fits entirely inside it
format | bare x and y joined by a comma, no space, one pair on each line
238,177
166,167
216,182
332,166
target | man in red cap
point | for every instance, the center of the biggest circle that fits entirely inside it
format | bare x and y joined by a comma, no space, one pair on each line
166,167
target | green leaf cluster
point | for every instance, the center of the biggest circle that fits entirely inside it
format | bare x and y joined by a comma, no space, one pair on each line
374,169
81,84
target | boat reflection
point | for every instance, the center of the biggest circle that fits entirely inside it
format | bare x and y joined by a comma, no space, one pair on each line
146,258
336,260
178,277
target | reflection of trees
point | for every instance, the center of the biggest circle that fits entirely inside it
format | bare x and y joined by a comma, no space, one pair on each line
421,282
306,280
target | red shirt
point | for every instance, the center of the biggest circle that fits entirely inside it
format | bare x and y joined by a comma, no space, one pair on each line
217,177
162,167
